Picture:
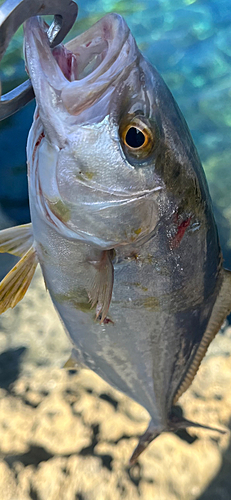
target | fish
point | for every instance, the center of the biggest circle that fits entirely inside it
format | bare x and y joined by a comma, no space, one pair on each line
121,220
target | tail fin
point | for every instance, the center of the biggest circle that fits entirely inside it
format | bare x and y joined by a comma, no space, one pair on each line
175,423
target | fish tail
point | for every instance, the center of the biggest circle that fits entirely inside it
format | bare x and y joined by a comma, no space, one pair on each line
175,423
150,434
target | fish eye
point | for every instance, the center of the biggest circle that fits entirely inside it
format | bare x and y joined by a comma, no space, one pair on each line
137,138
134,138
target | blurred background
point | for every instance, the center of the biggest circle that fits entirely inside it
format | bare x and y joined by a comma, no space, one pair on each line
67,435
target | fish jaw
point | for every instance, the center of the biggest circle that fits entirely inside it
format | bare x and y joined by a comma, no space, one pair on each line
63,95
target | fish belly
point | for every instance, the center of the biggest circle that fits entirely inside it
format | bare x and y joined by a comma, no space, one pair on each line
118,349
152,330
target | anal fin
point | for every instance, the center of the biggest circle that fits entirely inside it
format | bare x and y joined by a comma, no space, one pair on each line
15,284
221,309
16,240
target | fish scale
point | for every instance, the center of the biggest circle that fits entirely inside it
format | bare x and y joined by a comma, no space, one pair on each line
123,229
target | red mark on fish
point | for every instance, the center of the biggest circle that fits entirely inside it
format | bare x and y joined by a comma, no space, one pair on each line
107,320
42,135
174,243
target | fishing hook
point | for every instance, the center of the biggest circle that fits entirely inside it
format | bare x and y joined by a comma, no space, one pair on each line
13,13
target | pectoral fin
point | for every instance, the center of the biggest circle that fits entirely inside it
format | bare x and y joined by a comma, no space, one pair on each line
16,240
15,284
100,291
221,309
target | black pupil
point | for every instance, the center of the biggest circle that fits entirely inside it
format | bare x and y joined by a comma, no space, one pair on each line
135,138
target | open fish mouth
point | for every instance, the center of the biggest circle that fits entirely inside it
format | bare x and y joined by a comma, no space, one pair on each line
74,149
83,69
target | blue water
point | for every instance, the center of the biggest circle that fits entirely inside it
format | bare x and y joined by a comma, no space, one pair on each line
190,44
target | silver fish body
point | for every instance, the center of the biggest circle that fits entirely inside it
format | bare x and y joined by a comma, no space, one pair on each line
121,217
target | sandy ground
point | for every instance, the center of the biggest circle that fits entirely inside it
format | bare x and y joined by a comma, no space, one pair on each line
67,435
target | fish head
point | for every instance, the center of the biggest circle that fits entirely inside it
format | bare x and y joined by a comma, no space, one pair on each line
104,125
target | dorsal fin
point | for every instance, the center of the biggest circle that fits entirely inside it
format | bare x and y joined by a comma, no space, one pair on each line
221,309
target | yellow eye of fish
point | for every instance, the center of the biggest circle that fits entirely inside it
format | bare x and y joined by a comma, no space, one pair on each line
137,138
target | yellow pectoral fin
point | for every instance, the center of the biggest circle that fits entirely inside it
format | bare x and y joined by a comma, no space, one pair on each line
15,284
16,240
